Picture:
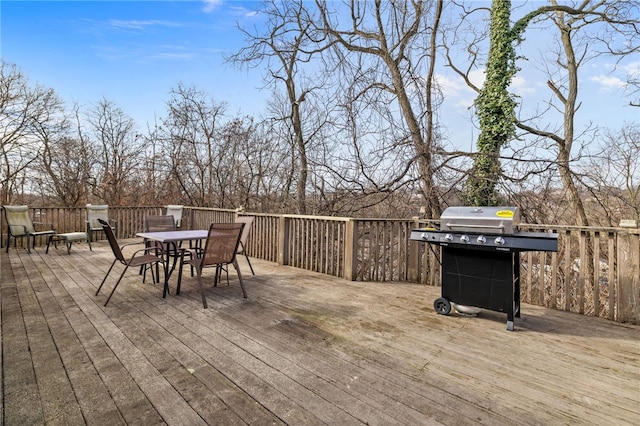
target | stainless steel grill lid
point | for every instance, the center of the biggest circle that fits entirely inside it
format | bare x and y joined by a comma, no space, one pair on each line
481,220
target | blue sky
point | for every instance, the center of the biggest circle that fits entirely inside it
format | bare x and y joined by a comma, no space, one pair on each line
131,52
134,52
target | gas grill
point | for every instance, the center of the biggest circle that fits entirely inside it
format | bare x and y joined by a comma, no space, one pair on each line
481,257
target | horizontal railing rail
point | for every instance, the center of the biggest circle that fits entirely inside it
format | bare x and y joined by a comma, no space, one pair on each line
595,271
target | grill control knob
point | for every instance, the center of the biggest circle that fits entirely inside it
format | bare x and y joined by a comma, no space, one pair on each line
481,239
464,239
448,237
500,241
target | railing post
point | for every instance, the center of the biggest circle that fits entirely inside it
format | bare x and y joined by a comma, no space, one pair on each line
413,261
628,277
283,241
193,220
350,250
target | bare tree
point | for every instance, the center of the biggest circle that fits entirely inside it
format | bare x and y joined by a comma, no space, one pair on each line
581,29
119,151
236,176
67,173
382,49
288,43
63,169
191,141
613,177
156,186
27,114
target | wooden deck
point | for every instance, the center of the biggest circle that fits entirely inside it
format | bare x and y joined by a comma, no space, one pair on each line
303,349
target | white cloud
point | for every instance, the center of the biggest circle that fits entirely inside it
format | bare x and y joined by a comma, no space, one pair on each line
140,24
608,83
172,56
522,87
477,77
457,93
451,87
633,70
211,5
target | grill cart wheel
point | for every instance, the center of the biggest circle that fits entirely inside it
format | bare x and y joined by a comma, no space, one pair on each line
442,306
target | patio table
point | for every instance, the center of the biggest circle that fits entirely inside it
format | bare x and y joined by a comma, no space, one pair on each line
173,237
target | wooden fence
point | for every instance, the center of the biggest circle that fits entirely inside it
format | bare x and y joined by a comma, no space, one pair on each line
595,271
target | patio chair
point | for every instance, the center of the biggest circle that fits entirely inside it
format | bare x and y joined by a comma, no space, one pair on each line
20,225
160,224
176,212
96,213
219,251
144,256
248,221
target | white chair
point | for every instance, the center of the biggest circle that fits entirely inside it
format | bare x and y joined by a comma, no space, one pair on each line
20,225
96,213
175,211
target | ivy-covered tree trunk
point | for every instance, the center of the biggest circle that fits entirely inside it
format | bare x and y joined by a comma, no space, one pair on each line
495,109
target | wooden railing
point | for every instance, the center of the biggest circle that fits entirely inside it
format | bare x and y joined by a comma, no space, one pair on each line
595,271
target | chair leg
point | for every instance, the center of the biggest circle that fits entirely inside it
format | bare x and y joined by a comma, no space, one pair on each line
249,262
143,268
105,277
180,273
143,272
179,280
116,286
216,277
48,243
204,298
155,278
235,265
244,251
169,248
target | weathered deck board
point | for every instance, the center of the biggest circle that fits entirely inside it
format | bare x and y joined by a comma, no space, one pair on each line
303,349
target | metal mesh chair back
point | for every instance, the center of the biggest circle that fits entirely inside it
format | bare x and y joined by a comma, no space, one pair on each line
159,223
142,257
222,243
112,241
248,221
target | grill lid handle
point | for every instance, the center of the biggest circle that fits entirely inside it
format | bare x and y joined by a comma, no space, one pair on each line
470,225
